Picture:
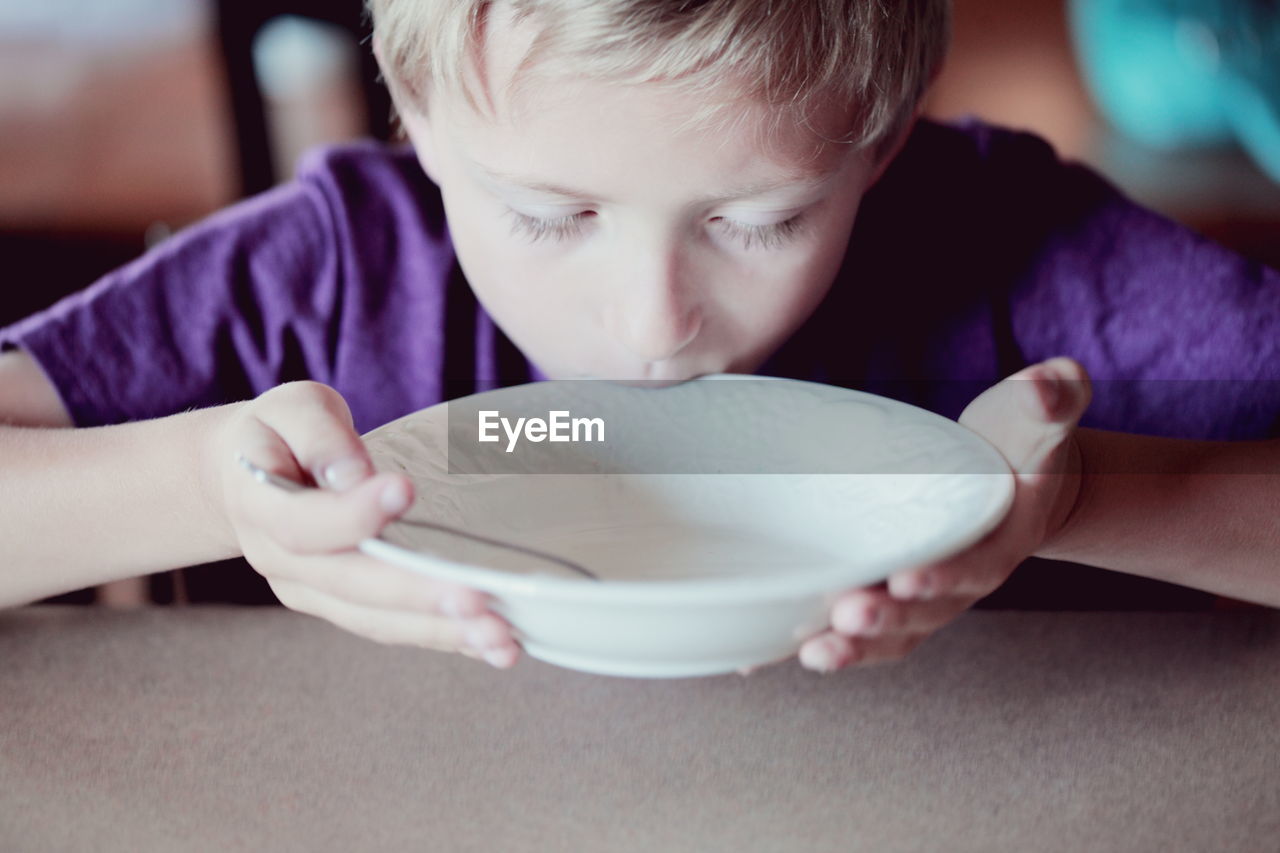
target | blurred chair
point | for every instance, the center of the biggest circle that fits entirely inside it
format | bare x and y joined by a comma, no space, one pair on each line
238,24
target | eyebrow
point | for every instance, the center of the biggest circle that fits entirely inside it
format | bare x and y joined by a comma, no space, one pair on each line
801,179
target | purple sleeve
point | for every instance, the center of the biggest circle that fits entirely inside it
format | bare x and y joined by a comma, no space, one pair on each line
221,311
1181,336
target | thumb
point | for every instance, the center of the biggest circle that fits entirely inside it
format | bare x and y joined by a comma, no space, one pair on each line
312,423
1029,415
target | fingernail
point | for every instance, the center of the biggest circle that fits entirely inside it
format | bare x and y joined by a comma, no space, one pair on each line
911,586
814,657
395,497
856,618
819,657
1051,392
902,586
500,658
344,473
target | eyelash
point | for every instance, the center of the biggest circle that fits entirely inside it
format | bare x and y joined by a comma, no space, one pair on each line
536,229
764,236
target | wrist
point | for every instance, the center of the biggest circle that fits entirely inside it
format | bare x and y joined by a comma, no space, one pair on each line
1071,496
213,456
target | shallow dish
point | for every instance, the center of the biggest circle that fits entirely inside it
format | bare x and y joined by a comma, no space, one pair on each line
722,517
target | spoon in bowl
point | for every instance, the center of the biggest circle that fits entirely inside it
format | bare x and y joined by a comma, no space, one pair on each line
262,475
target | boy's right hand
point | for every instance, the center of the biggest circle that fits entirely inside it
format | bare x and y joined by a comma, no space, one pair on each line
304,543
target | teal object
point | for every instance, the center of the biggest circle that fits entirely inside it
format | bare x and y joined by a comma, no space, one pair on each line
1185,73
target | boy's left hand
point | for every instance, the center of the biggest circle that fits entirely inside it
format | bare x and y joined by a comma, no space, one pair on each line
1031,419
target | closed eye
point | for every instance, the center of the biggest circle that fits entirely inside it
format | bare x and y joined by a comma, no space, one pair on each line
766,237
536,229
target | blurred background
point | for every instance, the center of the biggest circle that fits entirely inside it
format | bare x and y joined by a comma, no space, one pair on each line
121,121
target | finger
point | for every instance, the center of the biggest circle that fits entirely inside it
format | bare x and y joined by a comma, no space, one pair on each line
830,651
364,581
321,521
502,658
1065,394
315,424
487,636
399,627
859,614
1056,390
1030,414
881,650
826,652
972,573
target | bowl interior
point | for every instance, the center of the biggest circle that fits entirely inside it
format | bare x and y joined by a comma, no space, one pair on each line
706,484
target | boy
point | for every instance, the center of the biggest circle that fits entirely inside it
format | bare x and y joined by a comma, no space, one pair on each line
649,190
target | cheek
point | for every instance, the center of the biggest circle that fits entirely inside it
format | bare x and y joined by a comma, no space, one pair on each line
780,295
523,286
491,258
783,289
811,276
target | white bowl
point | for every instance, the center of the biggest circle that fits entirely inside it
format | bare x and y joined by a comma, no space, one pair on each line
722,517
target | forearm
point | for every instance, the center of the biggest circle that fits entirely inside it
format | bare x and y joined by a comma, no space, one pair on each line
79,507
1200,514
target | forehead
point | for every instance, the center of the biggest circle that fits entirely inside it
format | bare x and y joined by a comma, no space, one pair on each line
541,105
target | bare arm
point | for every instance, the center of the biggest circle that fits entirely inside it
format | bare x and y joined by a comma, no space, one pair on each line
80,507
27,398
1202,514
1196,513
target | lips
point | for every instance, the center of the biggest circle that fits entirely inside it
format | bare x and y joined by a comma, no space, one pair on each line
649,375
649,383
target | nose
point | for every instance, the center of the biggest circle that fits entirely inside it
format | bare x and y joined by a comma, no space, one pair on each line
656,314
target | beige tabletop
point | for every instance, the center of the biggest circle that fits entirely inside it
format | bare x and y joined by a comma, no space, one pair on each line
258,729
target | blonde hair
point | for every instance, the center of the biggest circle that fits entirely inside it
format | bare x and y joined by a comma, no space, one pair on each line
875,58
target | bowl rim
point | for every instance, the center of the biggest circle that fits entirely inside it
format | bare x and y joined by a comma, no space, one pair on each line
702,591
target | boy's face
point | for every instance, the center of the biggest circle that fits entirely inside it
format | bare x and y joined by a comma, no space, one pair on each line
608,241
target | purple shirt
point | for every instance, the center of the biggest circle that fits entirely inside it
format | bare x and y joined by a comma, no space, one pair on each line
977,253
